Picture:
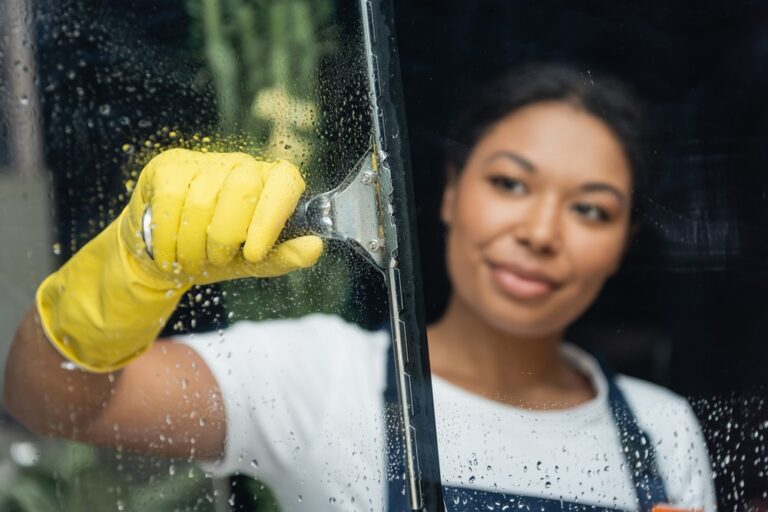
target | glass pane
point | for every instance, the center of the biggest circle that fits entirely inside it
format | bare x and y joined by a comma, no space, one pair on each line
524,226
287,367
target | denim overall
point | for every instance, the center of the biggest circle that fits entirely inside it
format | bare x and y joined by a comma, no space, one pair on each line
636,446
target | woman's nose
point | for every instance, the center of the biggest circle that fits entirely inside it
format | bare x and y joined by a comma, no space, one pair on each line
539,229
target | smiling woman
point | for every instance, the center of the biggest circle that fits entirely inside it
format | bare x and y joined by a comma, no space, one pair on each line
538,210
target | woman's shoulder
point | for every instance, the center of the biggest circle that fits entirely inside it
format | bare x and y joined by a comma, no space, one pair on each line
677,437
667,416
648,398
660,411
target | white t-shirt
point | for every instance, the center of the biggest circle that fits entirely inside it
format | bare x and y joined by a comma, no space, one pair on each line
304,402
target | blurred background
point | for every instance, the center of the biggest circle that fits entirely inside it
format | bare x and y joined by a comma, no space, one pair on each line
91,89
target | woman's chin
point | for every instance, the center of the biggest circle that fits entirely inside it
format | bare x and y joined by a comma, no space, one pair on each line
520,319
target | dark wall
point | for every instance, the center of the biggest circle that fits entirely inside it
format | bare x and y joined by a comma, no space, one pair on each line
700,70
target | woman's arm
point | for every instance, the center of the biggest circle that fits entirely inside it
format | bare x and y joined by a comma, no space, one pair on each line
216,216
166,402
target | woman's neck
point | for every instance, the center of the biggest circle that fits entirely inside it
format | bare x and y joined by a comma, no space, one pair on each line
525,371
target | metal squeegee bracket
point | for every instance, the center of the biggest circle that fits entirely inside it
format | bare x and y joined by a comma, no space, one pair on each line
355,212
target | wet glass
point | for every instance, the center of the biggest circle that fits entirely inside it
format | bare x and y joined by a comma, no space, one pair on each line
93,90
686,311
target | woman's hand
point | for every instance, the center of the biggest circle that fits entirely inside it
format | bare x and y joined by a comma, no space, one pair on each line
216,216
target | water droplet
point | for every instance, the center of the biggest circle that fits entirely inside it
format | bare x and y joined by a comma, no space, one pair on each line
68,365
24,100
24,453
57,248
254,463
105,110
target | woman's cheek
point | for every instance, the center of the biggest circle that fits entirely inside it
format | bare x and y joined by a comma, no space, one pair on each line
483,218
599,255
471,225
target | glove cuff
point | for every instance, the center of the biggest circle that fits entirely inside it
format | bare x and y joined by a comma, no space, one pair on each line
103,308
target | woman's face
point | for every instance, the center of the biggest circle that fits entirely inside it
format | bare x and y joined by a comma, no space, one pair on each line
538,218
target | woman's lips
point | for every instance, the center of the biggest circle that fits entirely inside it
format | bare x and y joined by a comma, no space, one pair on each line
521,283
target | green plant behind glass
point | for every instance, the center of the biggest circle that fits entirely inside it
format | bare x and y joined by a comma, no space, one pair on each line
263,58
74,477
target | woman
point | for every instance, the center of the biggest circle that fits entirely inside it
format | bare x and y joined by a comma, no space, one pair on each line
538,214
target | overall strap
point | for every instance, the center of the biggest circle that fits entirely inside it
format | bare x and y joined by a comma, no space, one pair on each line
636,446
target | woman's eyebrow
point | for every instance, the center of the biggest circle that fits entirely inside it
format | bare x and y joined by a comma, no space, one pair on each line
604,187
523,162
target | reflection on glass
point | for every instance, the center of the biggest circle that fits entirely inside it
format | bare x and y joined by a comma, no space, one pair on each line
540,213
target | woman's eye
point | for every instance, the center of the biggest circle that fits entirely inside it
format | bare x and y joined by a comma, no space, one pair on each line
508,184
591,212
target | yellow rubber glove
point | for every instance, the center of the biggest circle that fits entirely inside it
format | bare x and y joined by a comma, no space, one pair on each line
216,216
